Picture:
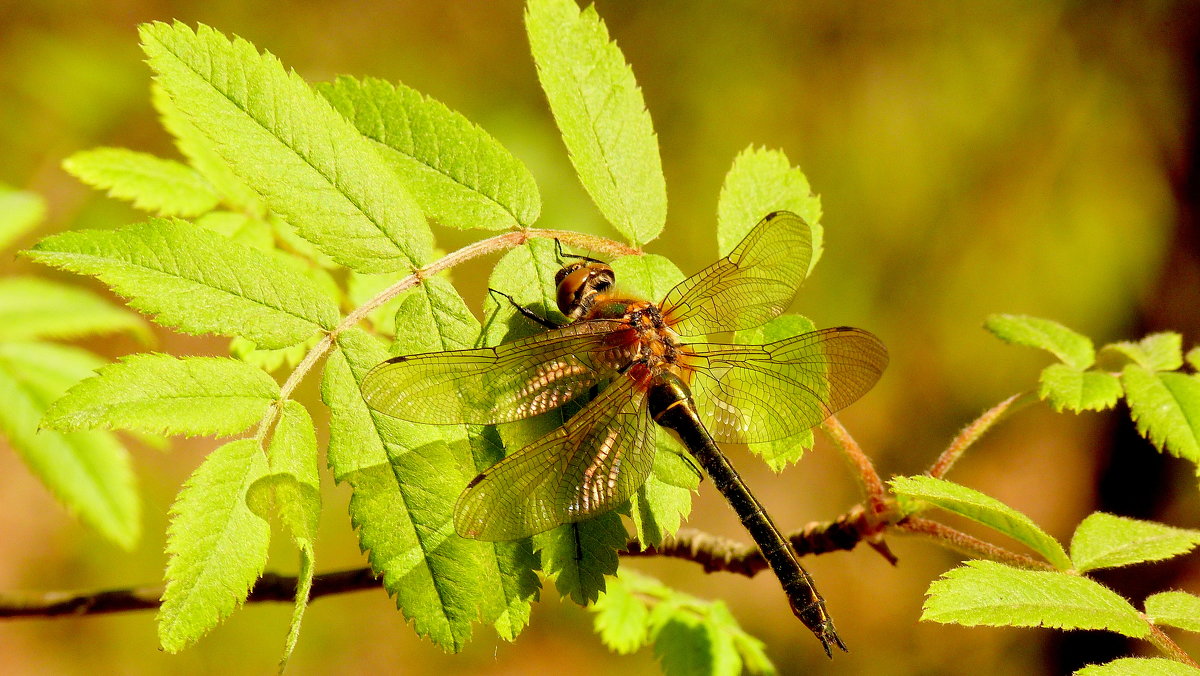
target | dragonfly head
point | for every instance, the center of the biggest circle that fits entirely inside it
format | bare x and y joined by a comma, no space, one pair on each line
580,283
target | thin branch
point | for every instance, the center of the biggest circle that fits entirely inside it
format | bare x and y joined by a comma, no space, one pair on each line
967,544
870,480
976,429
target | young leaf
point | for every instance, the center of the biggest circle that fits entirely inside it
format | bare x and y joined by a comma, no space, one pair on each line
151,183
458,174
89,472
1073,349
307,162
759,182
218,546
1155,352
621,617
684,646
1166,408
162,394
1175,609
36,308
1193,358
987,510
304,582
1107,541
579,555
1139,666
750,652
991,594
405,481
19,212
196,281
253,232
1074,390
600,112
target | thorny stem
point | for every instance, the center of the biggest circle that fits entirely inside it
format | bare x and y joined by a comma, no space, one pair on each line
1159,639
976,429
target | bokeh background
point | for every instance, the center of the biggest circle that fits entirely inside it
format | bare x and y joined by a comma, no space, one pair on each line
972,158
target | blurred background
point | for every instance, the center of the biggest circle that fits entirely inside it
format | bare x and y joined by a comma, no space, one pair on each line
972,158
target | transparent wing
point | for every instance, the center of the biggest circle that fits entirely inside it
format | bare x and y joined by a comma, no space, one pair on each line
586,467
756,393
491,385
750,286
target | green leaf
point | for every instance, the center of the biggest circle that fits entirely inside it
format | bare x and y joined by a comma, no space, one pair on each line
780,453
1073,349
362,288
293,490
759,182
201,154
1155,352
527,274
987,510
1166,408
1108,541
1175,609
648,277
88,472
622,618
20,211
665,499
1139,666
217,545
1193,358
253,232
579,555
162,394
405,480
304,582
36,308
151,183
684,646
992,594
307,162
1066,387
458,174
600,112
433,317
196,281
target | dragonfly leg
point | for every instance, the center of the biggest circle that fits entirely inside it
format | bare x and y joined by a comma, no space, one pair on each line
529,314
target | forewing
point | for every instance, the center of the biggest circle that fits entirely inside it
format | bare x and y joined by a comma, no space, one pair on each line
757,393
491,385
750,286
585,468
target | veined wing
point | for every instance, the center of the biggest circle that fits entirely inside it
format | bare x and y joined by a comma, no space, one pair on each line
586,467
750,286
491,385
756,393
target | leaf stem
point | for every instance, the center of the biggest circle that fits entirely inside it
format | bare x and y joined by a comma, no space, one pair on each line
868,477
967,544
1166,646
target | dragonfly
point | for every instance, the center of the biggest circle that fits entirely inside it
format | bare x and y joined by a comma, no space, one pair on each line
634,353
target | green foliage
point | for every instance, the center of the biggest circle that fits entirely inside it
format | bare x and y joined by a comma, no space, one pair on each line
89,472
1166,408
196,281
1073,349
158,393
150,183
1074,390
989,511
1107,541
689,635
217,545
306,161
992,594
1155,352
32,309
1139,666
759,182
1174,609
20,211
601,114
471,183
